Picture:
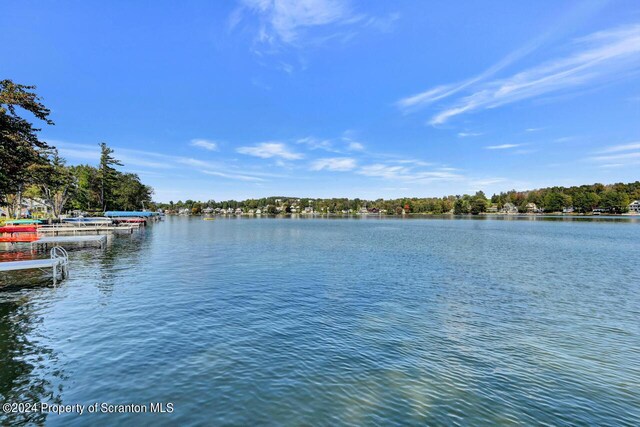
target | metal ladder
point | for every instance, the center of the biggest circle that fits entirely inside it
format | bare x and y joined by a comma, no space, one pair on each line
61,258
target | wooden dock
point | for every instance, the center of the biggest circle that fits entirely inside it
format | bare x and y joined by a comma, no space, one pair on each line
44,242
58,263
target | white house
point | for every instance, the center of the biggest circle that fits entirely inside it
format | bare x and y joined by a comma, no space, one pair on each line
509,208
634,207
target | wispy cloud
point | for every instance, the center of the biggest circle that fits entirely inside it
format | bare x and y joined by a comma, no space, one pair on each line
90,153
149,159
468,134
617,155
407,173
267,150
622,147
594,59
283,21
317,144
340,164
444,91
205,143
502,146
354,146
232,175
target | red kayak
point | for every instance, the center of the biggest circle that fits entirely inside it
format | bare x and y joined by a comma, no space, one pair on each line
19,238
18,229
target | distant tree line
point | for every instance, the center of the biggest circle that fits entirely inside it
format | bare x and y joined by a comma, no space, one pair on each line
613,198
31,168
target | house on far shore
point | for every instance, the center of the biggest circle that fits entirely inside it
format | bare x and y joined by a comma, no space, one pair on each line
509,208
207,210
568,209
533,208
493,208
634,207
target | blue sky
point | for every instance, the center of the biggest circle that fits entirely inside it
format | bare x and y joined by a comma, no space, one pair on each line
237,99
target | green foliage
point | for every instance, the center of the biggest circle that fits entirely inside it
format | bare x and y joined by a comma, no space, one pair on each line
129,193
55,182
20,147
555,201
478,203
461,206
585,201
615,201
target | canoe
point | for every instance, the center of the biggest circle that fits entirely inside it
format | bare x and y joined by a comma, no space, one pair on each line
23,221
18,229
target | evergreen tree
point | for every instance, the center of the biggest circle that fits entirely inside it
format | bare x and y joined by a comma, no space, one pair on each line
107,175
20,147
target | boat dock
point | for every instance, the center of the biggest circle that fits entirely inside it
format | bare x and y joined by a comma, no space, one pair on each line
44,242
87,229
58,263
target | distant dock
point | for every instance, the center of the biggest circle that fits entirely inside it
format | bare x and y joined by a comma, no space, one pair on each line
87,229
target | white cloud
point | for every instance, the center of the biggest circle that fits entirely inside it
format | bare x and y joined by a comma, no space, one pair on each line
444,91
239,177
284,20
90,153
407,173
594,59
267,150
205,143
355,146
468,134
623,147
617,157
502,146
317,144
341,164
384,171
148,159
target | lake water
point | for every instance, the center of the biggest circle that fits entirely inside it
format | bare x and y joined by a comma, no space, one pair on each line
336,322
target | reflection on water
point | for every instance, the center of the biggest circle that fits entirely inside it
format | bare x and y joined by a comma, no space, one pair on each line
28,370
340,322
